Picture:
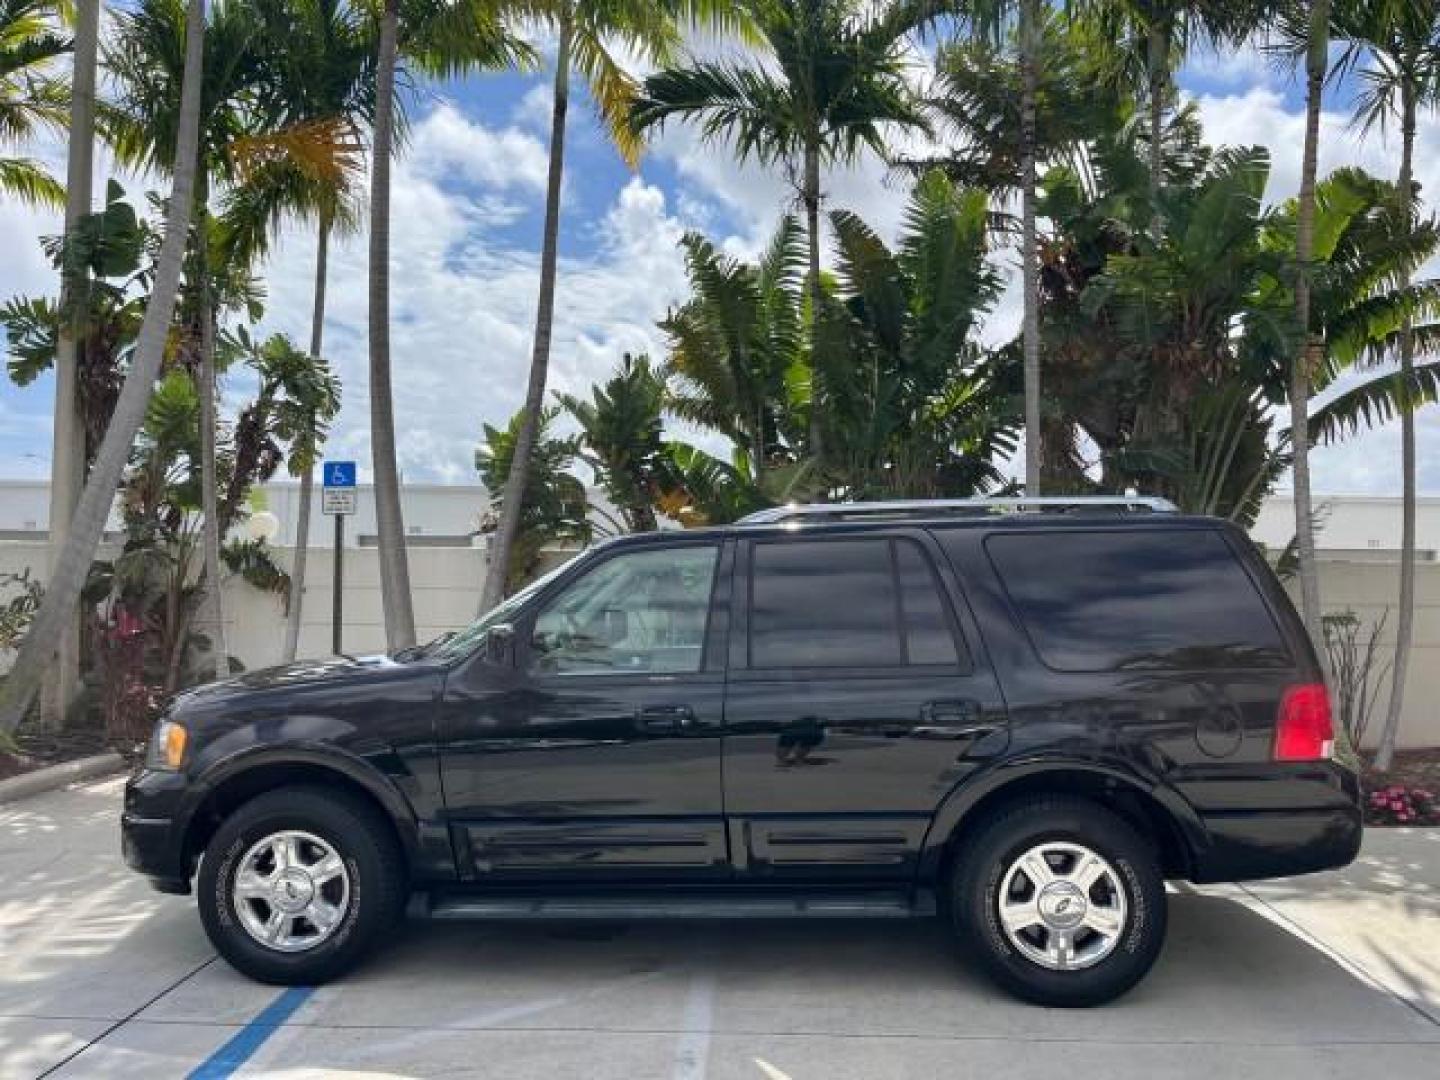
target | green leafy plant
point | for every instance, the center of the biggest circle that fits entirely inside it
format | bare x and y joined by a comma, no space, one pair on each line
555,511
18,609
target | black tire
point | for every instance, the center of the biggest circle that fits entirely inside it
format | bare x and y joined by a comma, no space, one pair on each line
980,869
361,837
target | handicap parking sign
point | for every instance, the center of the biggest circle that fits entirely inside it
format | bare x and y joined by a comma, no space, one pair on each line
340,474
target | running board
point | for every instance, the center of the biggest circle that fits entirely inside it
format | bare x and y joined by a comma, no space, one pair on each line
659,905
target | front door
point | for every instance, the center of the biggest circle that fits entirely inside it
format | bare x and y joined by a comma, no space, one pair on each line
595,753
858,697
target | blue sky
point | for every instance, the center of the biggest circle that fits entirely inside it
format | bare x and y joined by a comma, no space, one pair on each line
466,231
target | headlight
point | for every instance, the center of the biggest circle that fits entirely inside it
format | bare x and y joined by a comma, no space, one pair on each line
167,746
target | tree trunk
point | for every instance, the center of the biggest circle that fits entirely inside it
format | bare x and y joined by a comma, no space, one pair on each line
1029,247
810,196
1316,62
1157,65
307,478
67,457
88,522
1405,623
389,518
513,494
211,599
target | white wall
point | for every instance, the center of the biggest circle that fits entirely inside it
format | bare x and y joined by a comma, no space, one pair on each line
446,582
445,510
1352,523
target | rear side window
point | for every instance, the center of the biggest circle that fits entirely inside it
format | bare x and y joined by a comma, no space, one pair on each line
1108,601
928,635
861,603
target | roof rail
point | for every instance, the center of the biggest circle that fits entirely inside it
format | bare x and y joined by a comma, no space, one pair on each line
850,511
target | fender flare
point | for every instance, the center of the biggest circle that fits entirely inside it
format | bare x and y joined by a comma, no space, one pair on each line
954,810
397,806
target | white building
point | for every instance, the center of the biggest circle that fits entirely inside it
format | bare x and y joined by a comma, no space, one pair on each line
1356,528
1351,527
439,515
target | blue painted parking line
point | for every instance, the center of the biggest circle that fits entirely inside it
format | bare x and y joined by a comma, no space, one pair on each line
242,1045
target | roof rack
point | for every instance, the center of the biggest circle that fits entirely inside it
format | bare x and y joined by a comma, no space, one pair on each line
900,508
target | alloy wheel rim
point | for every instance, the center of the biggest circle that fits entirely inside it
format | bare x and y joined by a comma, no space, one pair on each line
291,891
1062,906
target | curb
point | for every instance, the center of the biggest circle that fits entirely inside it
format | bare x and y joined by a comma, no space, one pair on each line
56,776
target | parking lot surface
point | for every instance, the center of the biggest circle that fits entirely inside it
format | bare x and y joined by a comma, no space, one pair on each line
1336,975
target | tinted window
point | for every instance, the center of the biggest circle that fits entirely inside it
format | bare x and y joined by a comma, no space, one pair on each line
928,637
642,611
826,604
836,603
1101,601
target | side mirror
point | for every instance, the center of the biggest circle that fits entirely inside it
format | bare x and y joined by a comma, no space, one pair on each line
500,644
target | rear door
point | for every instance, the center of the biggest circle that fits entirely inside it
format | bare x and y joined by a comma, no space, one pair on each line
1156,644
858,696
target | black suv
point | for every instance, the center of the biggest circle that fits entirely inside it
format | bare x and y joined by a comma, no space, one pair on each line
1025,721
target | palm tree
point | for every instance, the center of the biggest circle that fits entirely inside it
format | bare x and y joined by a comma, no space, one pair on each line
1401,44
1007,116
1365,300
1317,43
831,77
67,458
389,520
30,97
326,80
1030,244
442,38
257,148
1140,43
68,577
587,33
143,57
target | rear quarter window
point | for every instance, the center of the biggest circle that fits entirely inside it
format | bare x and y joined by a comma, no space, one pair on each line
1139,600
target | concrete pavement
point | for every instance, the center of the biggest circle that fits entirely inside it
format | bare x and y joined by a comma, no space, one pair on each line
1333,975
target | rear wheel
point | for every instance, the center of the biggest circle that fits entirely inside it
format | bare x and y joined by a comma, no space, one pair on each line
1061,902
299,883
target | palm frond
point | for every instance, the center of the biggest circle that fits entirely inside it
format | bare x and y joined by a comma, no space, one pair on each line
30,183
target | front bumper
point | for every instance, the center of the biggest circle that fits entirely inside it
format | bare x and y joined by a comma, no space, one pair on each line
152,832
1299,824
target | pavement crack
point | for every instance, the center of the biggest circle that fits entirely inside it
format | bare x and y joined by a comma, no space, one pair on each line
118,1024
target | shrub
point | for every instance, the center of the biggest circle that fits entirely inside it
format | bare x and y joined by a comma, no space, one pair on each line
1397,804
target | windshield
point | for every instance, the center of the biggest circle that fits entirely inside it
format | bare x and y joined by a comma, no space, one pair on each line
465,641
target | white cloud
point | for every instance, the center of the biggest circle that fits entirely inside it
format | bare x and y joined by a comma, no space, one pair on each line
1241,67
26,270
535,108
463,306
445,143
464,288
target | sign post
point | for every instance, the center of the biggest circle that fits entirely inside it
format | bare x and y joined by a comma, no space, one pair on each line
337,498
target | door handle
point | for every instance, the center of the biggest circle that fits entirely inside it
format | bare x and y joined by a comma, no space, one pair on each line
962,710
962,719
664,719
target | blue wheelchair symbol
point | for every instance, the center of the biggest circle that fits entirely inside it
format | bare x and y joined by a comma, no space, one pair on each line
339,474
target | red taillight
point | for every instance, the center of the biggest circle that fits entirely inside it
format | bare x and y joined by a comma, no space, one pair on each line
1304,730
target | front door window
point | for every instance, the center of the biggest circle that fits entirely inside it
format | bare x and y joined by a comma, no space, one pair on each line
638,612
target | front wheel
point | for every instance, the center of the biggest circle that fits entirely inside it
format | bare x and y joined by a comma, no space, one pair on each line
298,884
1061,901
